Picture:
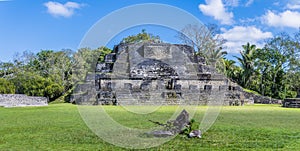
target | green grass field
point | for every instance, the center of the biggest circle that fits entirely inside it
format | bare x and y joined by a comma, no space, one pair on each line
60,127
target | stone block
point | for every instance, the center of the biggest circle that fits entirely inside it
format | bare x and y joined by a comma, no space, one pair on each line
207,87
128,86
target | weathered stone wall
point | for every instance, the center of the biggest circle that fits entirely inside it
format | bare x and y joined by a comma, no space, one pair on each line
291,103
261,99
20,100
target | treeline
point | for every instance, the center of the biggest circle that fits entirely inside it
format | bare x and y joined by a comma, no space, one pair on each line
48,73
273,70
54,74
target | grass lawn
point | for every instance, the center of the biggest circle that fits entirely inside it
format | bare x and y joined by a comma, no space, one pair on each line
60,127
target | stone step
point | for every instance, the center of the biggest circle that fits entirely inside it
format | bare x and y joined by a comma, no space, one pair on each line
121,68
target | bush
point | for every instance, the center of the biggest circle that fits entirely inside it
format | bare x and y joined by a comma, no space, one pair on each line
53,91
33,84
288,94
6,87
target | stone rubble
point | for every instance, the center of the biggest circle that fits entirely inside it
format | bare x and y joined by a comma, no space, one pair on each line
21,100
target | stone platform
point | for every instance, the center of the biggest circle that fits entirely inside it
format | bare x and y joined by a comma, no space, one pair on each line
292,102
156,74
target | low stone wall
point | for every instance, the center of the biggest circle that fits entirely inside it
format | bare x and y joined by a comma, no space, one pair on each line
20,100
291,103
261,99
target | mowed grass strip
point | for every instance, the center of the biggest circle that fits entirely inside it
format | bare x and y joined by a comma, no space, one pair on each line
60,127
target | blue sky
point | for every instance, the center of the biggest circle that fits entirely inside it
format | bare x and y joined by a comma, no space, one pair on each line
58,24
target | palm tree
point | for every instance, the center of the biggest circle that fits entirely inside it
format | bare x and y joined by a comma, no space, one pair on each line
247,63
229,68
214,56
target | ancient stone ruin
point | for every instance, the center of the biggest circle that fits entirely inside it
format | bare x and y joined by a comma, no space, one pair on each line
21,100
181,125
172,127
156,74
292,102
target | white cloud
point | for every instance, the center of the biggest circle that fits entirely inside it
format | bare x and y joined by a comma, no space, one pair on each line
293,4
249,2
284,19
240,35
289,6
216,9
59,9
245,21
233,3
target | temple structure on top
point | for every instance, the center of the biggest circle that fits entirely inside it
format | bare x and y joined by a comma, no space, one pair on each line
158,74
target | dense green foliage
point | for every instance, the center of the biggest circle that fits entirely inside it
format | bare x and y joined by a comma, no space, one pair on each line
247,64
54,73
31,84
85,60
60,127
272,70
48,73
141,37
6,87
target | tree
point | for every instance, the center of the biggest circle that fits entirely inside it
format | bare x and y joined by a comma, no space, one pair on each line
103,52
56,66
53,91
32,84
277,62
293,80
6,69
272,70
205,38
62,68
229,68
6,87
247,64
43,62
141,37
49,73
35,72
215,56
263,68
85,60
